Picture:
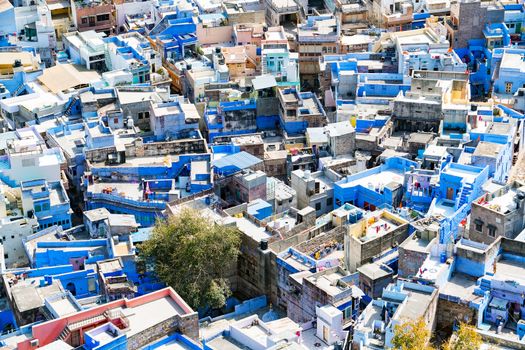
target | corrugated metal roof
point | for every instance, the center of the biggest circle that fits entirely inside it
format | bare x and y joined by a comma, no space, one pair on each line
241,160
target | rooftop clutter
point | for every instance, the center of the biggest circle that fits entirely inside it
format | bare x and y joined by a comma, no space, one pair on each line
370,155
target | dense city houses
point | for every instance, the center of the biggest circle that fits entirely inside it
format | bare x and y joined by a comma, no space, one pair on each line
369,154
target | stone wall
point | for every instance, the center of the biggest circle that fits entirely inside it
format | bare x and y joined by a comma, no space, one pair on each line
256,275
449,311
186,324
344,144
410,261
268,106
363,252
247,17
337,234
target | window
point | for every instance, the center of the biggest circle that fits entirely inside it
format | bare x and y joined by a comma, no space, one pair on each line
478,225
6,256
492,230
317,206
84,20
28,162
508,87
38,208
91,21
146,114
115,120
45,206
329,201
103,17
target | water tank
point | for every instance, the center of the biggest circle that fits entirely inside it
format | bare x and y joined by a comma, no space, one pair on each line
48,279
263,244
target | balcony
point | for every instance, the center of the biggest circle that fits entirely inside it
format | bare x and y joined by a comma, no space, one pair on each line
397,19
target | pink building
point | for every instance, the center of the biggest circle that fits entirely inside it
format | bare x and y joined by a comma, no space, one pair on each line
144,319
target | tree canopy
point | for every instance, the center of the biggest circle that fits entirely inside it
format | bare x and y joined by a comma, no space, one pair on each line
411,335
194,255
466,338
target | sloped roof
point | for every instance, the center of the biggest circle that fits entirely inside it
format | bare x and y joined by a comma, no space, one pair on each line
68,75
241,160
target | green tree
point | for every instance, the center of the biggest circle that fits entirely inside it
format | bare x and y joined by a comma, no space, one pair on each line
411,335
466,338
193,255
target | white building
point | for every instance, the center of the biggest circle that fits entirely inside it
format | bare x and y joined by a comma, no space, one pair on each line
35,29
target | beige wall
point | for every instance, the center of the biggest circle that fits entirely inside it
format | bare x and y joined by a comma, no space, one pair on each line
216,35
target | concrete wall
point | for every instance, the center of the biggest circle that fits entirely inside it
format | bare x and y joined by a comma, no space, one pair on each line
215,35
506,225
360,252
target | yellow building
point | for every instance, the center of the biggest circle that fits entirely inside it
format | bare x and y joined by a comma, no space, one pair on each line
12,61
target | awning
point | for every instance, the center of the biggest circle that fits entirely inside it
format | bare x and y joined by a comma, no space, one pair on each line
58,5
264,82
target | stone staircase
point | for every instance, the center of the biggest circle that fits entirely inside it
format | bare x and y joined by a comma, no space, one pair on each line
70,327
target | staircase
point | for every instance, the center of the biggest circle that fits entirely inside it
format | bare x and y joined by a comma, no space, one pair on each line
466,190
69,108
264,70
19,89
65,334
94,320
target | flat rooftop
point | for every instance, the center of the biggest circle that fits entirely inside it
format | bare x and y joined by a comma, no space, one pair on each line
151,313
467,175
380,227
460,285
416,305
443,207
328,283
504,203
251,229
488,149
377,180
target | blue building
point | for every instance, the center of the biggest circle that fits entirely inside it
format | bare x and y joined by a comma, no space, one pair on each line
508,67
150,183
376,187
173,25
231,118
48,201
495,148
174,120
299,111
459,185
492,288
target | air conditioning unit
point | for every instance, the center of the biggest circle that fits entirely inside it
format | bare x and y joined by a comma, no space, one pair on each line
34,343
